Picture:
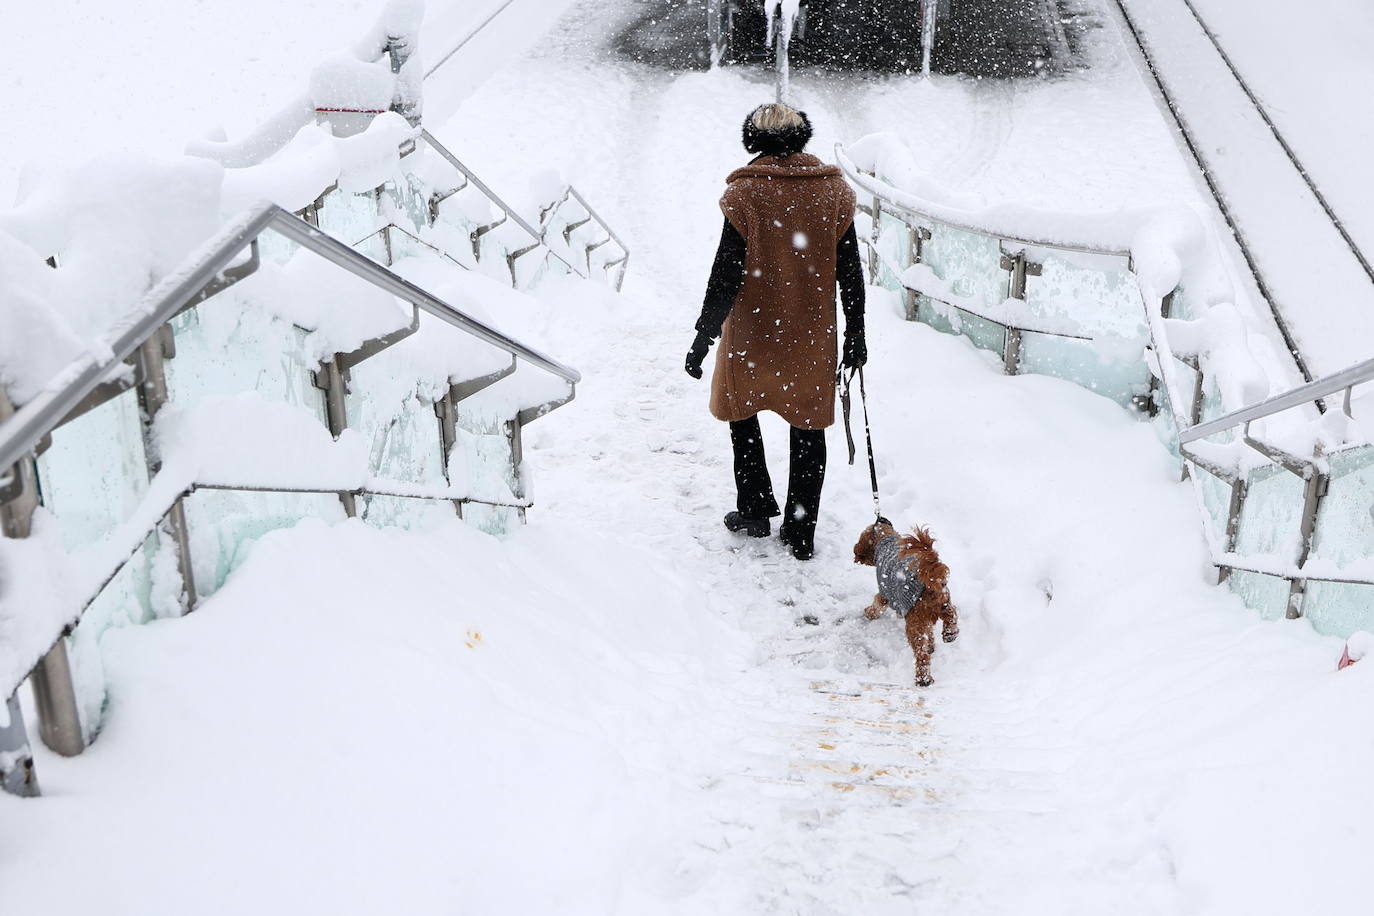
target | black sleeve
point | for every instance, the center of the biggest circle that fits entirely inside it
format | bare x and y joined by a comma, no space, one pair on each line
727,276
849,271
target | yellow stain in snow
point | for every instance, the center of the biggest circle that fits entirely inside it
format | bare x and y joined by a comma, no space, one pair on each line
474,638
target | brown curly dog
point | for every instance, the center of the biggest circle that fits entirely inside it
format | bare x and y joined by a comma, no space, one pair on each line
913,581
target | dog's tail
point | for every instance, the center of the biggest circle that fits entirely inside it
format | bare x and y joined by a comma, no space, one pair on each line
920,549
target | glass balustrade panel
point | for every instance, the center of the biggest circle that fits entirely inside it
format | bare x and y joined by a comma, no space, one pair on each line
1216,501
402,433
95,473
894,251
148,586
1097,365
1344,532
92,479
235,357
1266,594
1344,540
1085,294
1339,608
969,263
350,217
483,467
408,201
1271,517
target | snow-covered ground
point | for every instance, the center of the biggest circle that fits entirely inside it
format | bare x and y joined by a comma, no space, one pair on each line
622,709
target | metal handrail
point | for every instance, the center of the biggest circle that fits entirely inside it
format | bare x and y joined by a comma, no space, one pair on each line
20,434
1303,394
1137,46
492,196
468,37
571,193
963,307
879,188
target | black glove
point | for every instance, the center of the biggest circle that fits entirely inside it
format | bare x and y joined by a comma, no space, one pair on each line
695,356
855,350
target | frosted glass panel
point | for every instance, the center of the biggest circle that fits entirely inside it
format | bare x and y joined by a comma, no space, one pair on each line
1266,594
483,467
226,346
1216,498
224,525
95,473
1088,294
970,263
989,335
1093,365
148,586
374,246
1345,525
1339,608
894,242
407,203
1271,515
350,218
394,511
403,436
938,315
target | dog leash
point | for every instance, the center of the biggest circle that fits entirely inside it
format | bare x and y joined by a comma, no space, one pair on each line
847,382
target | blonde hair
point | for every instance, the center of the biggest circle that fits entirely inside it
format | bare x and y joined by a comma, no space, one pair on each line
776,117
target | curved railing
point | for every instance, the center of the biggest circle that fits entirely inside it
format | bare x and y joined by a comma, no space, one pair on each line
1007,293
1291,533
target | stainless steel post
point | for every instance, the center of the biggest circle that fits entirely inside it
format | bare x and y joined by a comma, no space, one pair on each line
330,379
59,721
152,394
1312,494
515,431
1020,268
17,776
447,412
399,49
1240,488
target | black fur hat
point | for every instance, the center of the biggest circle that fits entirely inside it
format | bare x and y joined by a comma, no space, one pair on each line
782,141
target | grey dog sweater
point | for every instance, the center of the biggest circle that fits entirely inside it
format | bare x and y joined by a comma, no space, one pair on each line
897,582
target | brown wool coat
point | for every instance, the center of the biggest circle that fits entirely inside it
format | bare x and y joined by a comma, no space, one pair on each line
777,349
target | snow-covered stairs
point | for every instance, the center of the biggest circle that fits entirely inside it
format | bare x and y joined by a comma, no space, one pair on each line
886,796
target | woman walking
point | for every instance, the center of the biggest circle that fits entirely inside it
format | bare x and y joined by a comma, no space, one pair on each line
788,239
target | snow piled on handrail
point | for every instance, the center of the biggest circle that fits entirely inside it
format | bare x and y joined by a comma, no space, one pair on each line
1172,248
355,81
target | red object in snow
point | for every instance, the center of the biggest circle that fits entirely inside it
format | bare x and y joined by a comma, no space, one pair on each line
1346,661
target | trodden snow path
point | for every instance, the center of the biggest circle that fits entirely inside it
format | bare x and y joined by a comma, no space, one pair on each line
1036,776
625,709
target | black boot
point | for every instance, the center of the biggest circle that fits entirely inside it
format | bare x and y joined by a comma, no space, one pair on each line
754,505
806,475
800,542
754,527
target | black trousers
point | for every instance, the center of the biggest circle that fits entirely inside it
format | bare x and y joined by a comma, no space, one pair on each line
806,474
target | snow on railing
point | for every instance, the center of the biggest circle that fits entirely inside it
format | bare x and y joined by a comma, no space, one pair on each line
345,91
172,400
213,426
1281,501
